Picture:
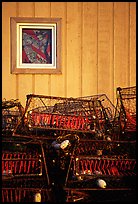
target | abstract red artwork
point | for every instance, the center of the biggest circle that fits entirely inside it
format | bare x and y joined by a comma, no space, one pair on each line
37,46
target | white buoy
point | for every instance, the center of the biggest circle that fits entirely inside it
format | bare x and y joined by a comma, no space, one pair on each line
101,183
109,138
64,144
38,197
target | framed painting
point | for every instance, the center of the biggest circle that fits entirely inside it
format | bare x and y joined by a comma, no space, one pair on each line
35,45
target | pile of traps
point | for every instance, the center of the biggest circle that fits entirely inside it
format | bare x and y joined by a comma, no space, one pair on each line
80,149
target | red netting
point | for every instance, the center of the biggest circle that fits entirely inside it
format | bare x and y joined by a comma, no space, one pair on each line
23,194
106,166
21,163
106,148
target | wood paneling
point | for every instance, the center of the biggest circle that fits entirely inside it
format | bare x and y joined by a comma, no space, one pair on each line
74,36
105,48
8,80
89,49
58,84
121,44
98,49
132,52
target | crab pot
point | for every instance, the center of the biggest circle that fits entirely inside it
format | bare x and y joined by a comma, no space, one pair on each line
12,111
52,116
125,116
114,148
24,172
25,194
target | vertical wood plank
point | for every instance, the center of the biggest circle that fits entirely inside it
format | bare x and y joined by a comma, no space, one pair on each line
132,44
42,81
25,81
105,48
58,84
26,9
74,49
121,44
8,80
89,49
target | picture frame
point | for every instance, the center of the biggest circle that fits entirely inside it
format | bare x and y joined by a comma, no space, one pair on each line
35,45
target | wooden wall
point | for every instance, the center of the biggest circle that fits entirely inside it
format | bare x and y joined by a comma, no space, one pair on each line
98,49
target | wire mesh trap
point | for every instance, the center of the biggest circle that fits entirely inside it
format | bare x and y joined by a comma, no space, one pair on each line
12,111
94,159
125,116
86,140
106,105
94,174
25,195
24,172
45,115
98,162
